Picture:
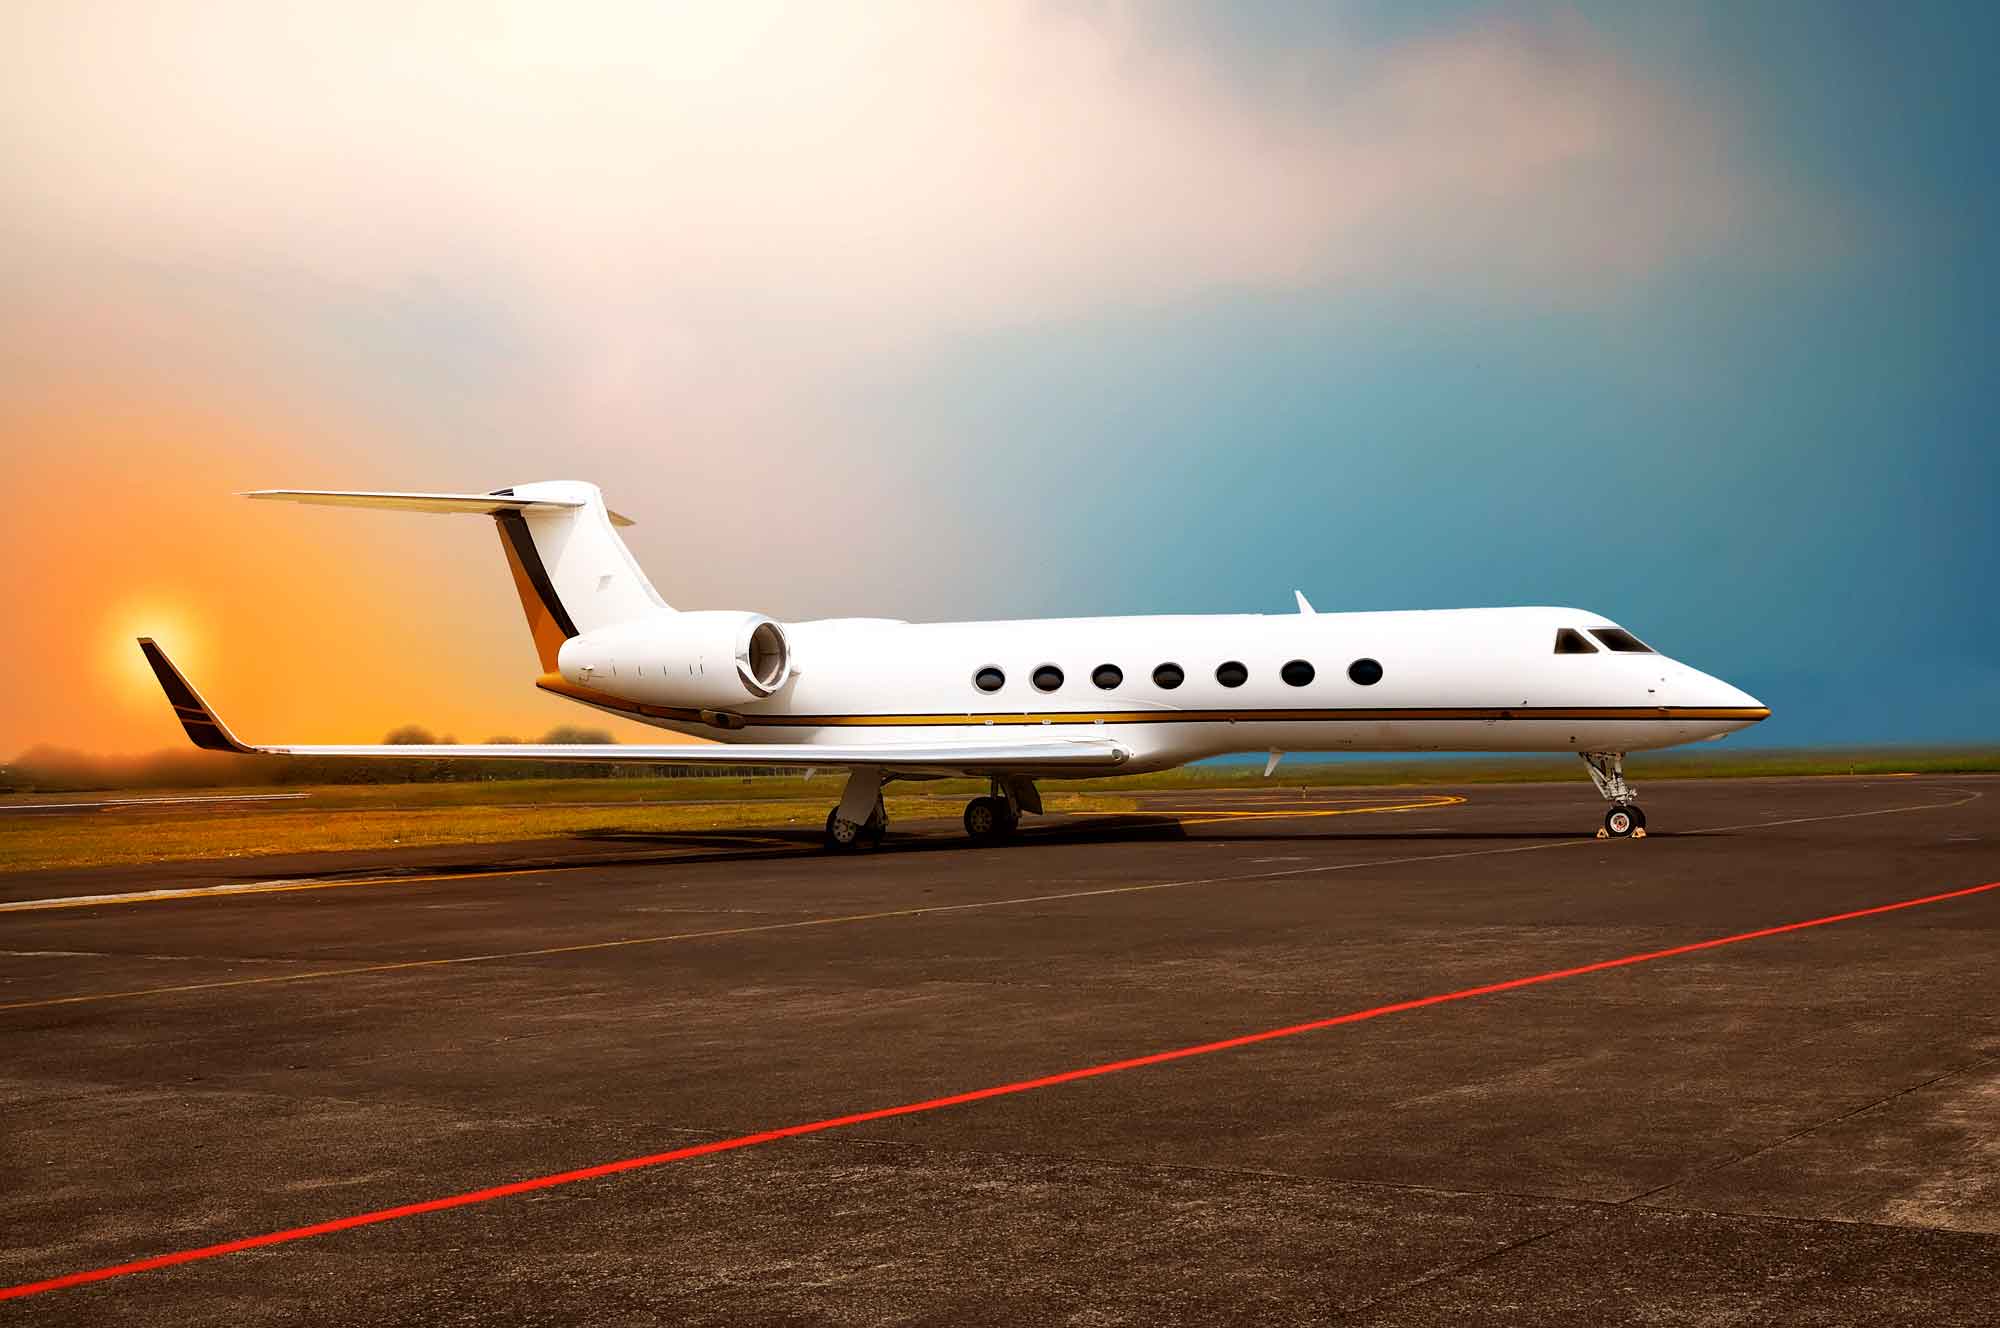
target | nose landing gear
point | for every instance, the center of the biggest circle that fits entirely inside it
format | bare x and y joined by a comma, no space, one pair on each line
1624,820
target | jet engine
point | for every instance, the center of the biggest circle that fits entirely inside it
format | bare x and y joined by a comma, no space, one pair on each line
709,660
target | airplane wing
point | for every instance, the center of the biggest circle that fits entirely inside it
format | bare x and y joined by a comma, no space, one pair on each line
205,729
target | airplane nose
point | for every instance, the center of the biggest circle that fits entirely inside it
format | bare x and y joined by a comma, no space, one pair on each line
1735,698
1707,692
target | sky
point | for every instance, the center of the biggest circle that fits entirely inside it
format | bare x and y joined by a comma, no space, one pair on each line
1679,313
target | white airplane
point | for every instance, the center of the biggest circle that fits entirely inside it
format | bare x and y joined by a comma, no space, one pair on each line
1013,702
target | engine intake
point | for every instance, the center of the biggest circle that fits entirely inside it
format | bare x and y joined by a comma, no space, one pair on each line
708,661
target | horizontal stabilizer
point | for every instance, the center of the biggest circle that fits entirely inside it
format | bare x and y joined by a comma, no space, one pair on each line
479,504
207,730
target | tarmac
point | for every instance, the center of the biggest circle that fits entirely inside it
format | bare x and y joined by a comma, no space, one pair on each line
1381,1056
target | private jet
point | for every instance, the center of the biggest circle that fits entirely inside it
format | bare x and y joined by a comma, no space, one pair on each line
1014,702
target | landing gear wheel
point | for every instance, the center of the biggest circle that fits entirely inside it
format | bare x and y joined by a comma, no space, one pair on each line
842,836
1625,821
988,820
846,836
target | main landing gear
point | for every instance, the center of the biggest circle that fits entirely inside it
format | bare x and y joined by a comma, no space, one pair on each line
860,820
1624,820
844,836
994,818
990,820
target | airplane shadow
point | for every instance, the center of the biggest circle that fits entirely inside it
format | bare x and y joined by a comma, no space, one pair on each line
1135,829
676,848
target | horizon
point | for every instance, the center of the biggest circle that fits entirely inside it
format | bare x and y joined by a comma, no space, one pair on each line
1019,311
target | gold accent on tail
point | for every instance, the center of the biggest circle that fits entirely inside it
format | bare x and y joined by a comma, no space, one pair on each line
542,625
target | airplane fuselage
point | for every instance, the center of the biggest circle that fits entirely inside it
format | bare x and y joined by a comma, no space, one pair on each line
1439,680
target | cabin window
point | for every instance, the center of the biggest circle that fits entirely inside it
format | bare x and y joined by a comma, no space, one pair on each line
1298,673
1569,641
1620,640
1048,678
1232,674
1168,676
989,679
1107,676
1365,672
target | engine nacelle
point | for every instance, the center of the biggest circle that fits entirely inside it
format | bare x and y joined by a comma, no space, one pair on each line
710,660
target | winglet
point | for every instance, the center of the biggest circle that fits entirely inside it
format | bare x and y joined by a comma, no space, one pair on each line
203,728
1305,606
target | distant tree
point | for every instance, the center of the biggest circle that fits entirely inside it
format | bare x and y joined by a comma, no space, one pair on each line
410,735
569,734
503,740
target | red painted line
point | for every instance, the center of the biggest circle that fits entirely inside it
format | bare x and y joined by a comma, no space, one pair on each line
936,1103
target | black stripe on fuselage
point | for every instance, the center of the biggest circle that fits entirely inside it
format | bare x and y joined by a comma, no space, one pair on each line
515,529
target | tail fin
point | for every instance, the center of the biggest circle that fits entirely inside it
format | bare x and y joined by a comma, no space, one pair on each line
574,574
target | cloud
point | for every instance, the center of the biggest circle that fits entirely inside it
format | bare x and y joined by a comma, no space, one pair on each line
786,177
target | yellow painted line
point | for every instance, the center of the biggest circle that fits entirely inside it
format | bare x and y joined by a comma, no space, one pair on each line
1213,815
1318,869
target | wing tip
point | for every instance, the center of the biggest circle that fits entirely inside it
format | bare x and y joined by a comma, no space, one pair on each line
201,724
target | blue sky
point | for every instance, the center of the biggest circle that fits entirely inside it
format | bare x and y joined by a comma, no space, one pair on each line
1782,473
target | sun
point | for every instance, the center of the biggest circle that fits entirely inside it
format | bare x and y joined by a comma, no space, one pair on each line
123,668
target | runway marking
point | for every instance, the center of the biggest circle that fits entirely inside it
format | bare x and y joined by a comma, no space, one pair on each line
151,802
925,910
285,886
250,888
650,1160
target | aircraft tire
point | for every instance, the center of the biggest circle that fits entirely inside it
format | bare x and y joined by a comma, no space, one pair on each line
1622,820
835,843
986,820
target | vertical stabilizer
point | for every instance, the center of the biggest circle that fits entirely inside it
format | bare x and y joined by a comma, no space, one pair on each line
573,572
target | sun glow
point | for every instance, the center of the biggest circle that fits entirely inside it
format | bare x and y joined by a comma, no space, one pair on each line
124,669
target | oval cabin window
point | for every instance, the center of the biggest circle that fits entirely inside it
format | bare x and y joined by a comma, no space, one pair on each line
989,679
1298,673
1232,674
1168,676
1108,676
1366,672
1048,678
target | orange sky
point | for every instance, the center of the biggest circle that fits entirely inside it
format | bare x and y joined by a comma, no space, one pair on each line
298,625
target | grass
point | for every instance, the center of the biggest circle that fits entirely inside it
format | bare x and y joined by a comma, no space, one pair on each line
412,815
1315,772
378,816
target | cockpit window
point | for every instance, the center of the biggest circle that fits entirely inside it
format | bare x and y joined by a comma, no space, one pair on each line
1620,640
1569,641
